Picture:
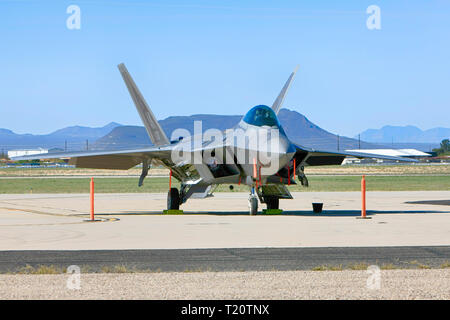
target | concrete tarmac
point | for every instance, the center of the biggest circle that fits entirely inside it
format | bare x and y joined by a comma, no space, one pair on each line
134,221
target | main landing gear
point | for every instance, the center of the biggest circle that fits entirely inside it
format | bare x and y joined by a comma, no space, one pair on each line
272,202
173,199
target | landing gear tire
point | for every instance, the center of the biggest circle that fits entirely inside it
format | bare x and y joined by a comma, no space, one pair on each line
272,203
173,199
253,204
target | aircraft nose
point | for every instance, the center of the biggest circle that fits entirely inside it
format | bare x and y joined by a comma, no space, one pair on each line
281,152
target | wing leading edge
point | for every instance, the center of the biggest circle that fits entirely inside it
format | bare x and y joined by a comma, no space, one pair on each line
321,157
117,159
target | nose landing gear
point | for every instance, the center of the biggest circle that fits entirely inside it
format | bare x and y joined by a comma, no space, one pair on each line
253,202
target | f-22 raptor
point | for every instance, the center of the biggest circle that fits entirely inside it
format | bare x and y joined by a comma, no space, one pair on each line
256,153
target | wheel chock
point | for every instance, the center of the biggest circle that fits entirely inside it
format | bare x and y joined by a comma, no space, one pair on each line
272,211
172,211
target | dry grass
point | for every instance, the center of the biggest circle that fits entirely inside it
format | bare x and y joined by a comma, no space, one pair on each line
388,266
51,269
380,169
358,266
41,269
318,170
118,269
328,268
419,265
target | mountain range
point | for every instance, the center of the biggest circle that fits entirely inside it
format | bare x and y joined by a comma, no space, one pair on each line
116,136
74,136
405,134
298,128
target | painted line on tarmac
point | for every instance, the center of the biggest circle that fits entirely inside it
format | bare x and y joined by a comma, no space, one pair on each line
99,218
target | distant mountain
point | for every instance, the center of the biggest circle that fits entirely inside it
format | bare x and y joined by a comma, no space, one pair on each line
298,128
75,136
406,134
85,132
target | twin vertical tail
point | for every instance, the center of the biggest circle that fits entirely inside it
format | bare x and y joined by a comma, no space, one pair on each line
152,126
154,130
279,101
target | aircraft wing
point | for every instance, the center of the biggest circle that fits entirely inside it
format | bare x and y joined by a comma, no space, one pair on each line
314,157
117,159
121,159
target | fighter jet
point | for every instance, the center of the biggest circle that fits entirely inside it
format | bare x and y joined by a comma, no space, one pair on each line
256,153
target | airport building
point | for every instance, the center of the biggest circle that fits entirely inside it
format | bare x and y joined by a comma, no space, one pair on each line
407,153
26,152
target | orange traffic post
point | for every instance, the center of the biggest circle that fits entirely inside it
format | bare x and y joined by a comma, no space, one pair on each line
92,199
363,198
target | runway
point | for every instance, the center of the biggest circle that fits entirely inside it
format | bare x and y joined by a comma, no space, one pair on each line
237,259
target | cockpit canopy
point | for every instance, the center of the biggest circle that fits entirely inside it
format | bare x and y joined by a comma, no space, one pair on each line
262,116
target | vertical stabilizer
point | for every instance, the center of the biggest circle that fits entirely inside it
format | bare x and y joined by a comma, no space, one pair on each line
154,130
279,101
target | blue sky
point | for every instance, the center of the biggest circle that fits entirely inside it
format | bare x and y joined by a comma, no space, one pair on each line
224,57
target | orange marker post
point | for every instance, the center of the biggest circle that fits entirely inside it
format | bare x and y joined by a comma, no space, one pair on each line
363,198
92,199
363,195
255,172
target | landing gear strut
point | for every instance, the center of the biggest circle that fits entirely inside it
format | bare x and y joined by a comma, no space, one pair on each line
253,202
173,199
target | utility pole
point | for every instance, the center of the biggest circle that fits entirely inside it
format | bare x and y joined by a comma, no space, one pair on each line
65,145
359,141
87,145
338,142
